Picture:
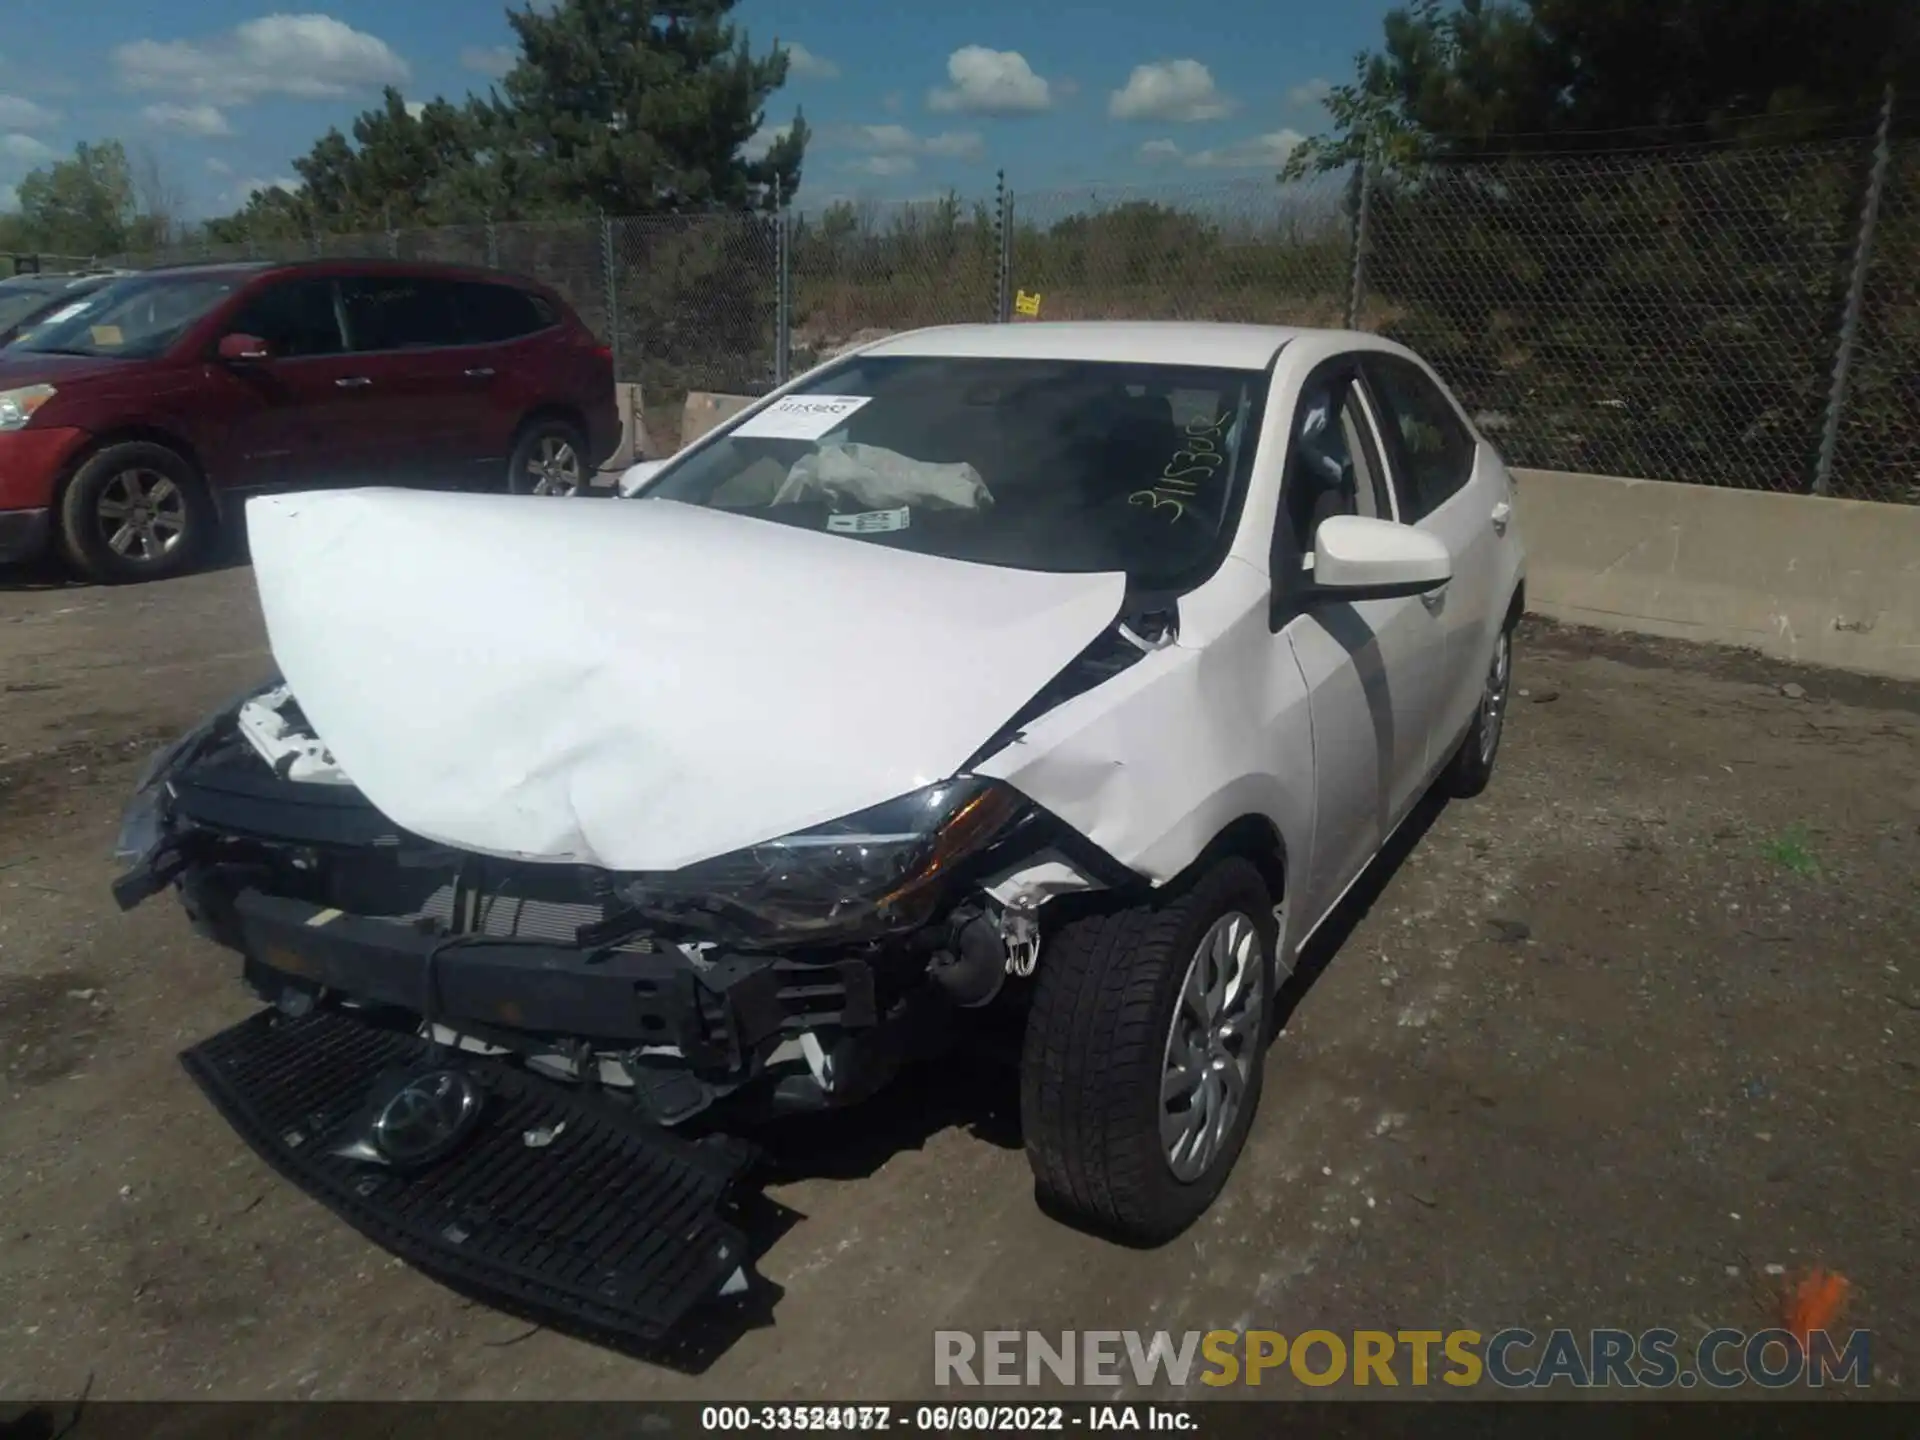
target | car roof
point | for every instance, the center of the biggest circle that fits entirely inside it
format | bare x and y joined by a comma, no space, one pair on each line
1164,342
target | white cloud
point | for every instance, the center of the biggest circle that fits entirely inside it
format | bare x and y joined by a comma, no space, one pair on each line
1309,92
886,165
991,82
961,144
309,57
1271,149
244,190
803,64
19,113
217,166
762,141
24,149
204,120
1254,152
1179,90
493,60
895,141
416,108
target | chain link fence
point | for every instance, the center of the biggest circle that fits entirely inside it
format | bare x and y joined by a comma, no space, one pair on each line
1673,319
861,270
1742,317
1877,440
1232,250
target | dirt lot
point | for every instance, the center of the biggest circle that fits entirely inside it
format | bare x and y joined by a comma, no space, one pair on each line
1597,1049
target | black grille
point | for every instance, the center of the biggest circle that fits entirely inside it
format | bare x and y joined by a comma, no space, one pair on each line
617,1225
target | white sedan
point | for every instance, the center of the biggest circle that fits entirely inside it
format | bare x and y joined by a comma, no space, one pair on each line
1070,671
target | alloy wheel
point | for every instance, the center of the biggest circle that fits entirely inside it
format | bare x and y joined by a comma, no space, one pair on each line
1493,705
555,467
142,515
1212,1045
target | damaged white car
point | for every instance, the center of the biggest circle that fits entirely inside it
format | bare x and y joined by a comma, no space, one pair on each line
1070,672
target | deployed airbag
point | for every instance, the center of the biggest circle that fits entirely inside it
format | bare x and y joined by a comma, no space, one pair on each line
873,477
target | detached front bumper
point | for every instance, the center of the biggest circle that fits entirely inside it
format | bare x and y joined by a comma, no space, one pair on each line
550,1200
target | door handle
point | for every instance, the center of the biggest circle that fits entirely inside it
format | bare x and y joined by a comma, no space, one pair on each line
480,372
352,382
1502,513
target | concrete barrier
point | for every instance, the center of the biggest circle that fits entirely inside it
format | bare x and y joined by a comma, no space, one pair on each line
705,409
1799,577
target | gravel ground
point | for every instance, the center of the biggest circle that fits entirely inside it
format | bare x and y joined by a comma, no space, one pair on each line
1609,1046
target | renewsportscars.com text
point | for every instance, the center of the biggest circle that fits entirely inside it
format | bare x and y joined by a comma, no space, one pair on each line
1512,1359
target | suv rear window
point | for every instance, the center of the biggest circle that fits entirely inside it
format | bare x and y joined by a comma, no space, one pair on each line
491,313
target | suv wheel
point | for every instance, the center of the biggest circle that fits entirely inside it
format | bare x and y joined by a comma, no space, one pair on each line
550,459
135,511
1144,1053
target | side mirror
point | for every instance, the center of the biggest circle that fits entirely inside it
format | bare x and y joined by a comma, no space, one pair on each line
637,475
1355,558
244,348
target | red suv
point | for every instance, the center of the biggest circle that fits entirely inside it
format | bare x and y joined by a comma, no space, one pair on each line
134,421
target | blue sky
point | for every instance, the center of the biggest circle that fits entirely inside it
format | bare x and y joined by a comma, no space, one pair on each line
906,97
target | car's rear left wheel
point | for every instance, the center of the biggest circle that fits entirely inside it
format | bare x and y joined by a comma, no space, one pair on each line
1144,1051
550,458
1472,764
135,511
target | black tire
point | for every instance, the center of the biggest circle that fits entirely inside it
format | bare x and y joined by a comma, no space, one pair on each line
135,511
1097,1051
549,448
1471,768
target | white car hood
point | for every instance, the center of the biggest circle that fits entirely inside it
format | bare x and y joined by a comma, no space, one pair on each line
640,684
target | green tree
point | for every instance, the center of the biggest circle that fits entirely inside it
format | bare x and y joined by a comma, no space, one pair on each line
632,107
81,206
1478,79
618,107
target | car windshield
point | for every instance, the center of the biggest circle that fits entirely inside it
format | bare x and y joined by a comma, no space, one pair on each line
1056,465
22,299
135,318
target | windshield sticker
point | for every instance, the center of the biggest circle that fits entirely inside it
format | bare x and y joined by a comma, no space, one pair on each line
801,417
1198,459
870,522
66,312
107,335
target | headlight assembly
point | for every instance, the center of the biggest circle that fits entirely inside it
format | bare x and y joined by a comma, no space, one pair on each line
880,871
17,406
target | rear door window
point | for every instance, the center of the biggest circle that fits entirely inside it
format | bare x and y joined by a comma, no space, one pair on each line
296,318
1432,449
399,312
492,313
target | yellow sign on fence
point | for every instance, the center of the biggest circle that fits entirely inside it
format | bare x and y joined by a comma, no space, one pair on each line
1026,304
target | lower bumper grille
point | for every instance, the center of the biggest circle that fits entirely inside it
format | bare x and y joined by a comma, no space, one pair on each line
614,1225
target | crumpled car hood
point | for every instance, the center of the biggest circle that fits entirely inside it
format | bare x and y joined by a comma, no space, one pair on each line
640,684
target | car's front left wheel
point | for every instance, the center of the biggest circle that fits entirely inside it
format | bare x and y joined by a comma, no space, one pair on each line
1144,1049
135,511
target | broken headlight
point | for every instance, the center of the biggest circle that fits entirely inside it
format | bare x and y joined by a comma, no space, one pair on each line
881,870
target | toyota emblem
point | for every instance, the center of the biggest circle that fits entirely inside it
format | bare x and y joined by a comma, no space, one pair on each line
426,1118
